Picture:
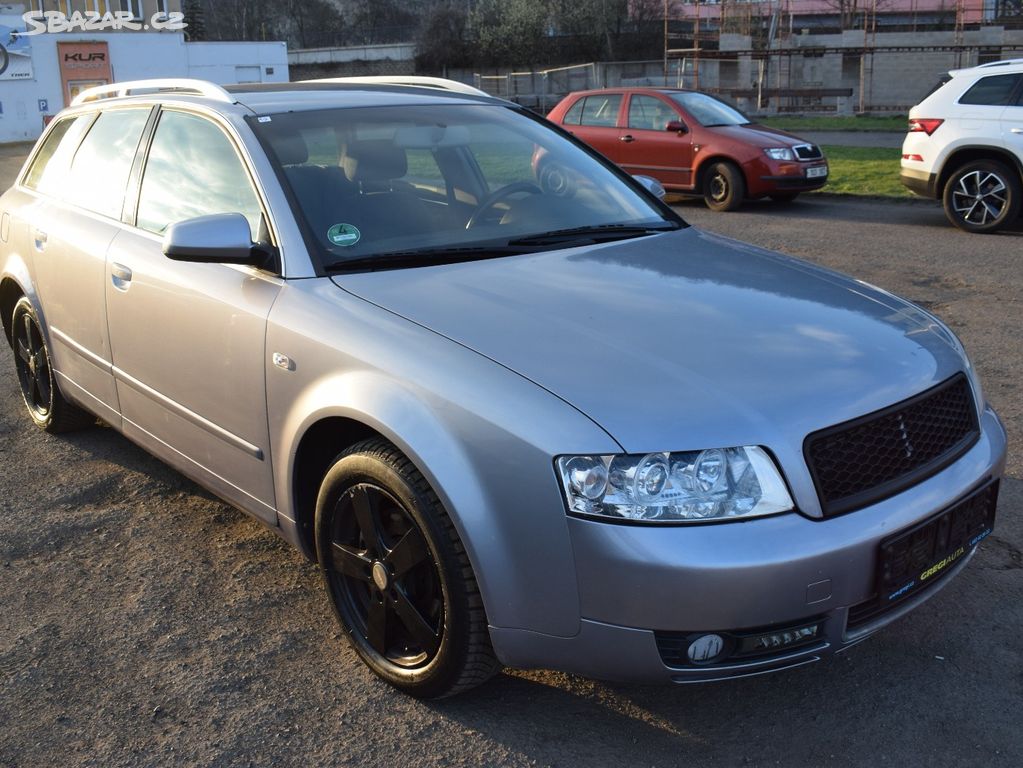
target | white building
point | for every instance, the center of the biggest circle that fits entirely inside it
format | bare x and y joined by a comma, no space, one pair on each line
41,73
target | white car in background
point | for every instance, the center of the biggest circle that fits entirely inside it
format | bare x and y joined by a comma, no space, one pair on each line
965,145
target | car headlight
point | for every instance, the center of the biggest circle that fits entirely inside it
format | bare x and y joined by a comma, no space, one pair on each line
691,486
780,153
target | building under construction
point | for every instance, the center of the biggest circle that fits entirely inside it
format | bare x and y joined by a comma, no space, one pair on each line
845,56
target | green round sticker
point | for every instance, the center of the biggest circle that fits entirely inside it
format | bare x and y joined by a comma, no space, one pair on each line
343,235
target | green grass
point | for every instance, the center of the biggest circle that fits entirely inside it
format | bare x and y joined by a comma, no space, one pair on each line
864,171
822,123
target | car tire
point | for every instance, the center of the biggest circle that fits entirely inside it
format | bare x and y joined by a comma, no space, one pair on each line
46,405
724,187
783,197
398,576
982,196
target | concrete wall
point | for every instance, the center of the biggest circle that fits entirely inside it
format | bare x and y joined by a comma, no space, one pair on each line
134,56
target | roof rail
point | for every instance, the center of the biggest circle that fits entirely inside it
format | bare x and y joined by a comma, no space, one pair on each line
1004,63
418,81
163,85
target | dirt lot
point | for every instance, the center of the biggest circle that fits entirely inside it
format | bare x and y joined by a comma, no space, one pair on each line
145,623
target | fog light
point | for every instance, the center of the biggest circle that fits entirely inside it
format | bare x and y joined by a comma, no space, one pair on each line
775,641
705,648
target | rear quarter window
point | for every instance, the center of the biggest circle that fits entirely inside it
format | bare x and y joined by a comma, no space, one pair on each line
994,91
48,171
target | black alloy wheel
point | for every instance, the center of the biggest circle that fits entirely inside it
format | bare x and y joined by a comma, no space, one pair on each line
47,407
398,576
384,572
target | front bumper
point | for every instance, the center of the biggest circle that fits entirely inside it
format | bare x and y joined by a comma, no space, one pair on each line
771,572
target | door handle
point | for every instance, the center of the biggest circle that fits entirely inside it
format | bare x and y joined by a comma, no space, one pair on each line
120,276
40,238
627,138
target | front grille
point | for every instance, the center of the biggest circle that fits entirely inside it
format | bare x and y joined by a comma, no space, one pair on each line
808,152
862,461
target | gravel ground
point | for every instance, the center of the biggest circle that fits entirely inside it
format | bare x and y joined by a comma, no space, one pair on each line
145,623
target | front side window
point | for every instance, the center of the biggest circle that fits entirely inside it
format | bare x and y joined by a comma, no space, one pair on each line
649,113
708,111
993,91
193,170
372,184
99,171
601,110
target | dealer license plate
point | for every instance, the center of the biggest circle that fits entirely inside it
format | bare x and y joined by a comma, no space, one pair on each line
919,556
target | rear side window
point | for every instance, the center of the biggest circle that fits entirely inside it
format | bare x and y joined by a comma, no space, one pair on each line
602,110
49,169
995,91
574,113
193,170
99,172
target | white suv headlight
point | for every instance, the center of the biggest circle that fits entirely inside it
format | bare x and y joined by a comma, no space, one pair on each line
691,486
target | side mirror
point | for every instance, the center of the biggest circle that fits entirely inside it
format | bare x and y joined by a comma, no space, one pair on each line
677,126
221,238
651,185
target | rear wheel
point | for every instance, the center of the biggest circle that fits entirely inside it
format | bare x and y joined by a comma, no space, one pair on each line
398,575
47,407
982,196
724,187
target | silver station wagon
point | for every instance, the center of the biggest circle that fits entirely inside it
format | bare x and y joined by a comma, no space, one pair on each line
513,406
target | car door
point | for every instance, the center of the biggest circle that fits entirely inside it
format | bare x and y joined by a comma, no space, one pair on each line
1012,124
81,181
187,339
983,105
648,148
598,123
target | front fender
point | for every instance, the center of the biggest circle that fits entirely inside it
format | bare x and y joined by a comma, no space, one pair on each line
484,437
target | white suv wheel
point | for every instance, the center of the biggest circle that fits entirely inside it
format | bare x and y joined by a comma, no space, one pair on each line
982,196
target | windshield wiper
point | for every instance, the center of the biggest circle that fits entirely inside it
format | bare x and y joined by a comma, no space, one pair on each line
425,257
602,233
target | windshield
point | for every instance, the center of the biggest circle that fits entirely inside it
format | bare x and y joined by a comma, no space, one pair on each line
376,185
708,111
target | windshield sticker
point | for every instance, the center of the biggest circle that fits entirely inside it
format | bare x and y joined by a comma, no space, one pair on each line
343,235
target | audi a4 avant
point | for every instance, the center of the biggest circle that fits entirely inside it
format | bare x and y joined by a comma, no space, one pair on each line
519,415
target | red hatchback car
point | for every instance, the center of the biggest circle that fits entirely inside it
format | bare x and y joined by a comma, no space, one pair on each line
693,143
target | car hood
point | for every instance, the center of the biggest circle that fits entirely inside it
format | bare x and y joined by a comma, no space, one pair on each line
681,340
758,135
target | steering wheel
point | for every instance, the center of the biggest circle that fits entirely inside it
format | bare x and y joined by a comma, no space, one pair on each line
497,196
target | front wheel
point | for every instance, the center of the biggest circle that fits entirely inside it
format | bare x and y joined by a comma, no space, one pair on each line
47,407
724,187
982,196
398,576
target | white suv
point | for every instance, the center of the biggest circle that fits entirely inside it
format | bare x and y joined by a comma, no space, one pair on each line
965,145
